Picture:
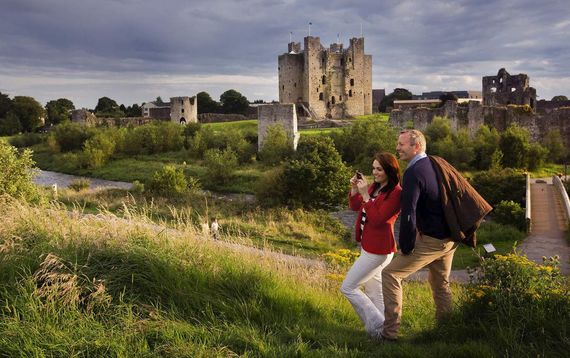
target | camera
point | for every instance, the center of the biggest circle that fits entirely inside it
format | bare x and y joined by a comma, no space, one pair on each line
358,175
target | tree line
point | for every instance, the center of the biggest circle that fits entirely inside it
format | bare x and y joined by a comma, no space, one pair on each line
25,114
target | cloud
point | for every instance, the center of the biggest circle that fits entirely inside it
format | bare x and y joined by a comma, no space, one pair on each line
135,50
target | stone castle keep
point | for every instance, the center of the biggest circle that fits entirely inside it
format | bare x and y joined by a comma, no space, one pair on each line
326,83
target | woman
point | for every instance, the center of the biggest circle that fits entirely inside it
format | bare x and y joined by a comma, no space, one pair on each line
378,206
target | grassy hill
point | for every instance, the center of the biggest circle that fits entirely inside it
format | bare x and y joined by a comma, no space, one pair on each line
97,285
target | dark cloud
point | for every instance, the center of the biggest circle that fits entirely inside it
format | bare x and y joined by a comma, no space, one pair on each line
135,50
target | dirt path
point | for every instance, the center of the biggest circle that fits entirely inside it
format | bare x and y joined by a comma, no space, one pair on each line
547,236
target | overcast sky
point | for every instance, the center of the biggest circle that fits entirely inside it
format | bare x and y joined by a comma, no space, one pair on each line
136,50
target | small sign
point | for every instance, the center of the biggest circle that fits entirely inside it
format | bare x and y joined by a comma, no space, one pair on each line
489,248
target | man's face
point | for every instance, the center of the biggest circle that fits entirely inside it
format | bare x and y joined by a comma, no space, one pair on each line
405,149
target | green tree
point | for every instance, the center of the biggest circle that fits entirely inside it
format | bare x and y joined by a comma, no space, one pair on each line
233,102
206,104
107,107
485,144
514,144
5,104
168,181
276,147
437,130
10,125
133,111
554,143
316,177
17,172
535,156
29,112
398,94
559,98
220,165
59,110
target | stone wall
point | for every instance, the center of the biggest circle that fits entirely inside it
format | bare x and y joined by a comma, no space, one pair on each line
220,117
473,116
271,114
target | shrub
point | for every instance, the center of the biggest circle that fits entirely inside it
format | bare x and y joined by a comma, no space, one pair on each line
153,138
526,302
137,187
98,150
514,144
17,172
316,177
536,156
168,181
26,140
269,189
244,150
69,136
486,143
358,143
220,165
510,213
276,147
555,144
496,186
80,184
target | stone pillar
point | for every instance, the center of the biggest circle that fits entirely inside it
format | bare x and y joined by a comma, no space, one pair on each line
270,114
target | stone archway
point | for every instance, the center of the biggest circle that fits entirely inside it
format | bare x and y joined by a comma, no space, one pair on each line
182,120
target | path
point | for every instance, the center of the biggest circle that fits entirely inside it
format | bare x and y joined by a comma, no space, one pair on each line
547,236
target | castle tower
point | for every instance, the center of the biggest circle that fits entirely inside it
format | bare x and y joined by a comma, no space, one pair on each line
184,109
332,83
504,89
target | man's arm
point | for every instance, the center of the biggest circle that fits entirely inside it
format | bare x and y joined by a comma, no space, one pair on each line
410,197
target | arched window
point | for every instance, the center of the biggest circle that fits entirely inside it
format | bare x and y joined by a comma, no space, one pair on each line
321,97
352,81
324,79
333,100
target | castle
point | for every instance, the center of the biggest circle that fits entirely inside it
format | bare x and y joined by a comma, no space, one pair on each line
179,110
326,83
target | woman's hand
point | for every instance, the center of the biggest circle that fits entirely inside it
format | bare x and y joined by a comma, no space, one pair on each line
362,187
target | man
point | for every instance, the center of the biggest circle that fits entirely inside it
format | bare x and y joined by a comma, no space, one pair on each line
424,234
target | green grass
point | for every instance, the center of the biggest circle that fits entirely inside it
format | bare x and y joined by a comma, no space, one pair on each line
384,117
502,237
115,288
248,126
548,170
318,131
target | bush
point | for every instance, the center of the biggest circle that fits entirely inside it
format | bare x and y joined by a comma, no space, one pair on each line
485,145
358,143
137,187
514,144
276,147
269,189
244,150
496,186
526,302
316,177
69,136
168,181
510,213
17,172
220,165
80,184
26,140
98,150
555,144
536,156
153,138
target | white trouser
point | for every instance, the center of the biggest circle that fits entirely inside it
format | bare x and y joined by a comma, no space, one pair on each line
369,305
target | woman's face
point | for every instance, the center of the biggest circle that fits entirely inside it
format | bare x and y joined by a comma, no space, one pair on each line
379,173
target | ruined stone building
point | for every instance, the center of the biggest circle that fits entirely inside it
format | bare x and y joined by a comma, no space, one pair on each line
460,94
178,110
504,89
498,93
326,83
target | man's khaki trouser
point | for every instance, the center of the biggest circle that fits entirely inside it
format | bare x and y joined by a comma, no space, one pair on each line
437,255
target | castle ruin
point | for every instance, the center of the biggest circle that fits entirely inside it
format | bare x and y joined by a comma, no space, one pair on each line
179,110
503,99
504,89
326,83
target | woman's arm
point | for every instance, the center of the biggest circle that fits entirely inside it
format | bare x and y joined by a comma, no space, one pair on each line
380,211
